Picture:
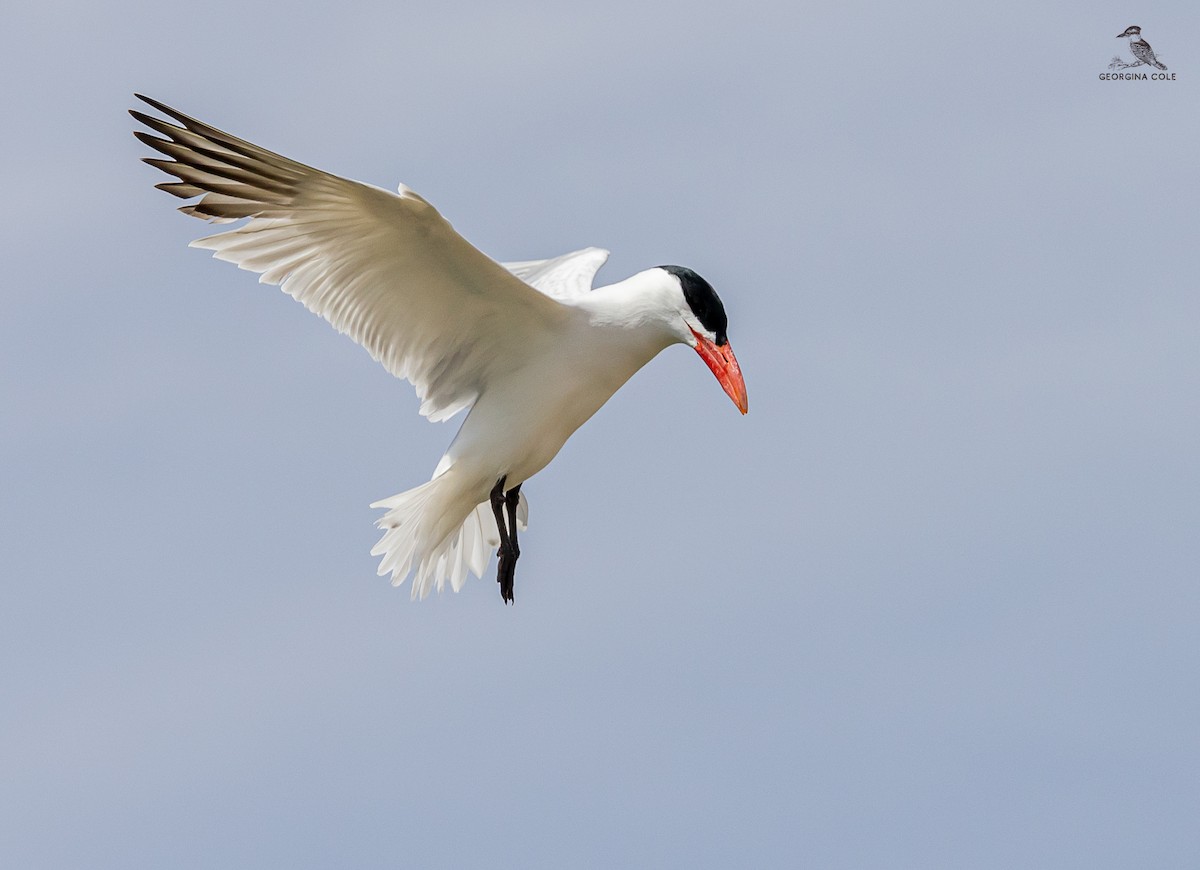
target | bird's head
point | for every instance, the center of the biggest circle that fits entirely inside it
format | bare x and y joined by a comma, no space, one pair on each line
1130,31
702,326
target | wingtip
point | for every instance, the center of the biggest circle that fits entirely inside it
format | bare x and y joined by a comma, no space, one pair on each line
141,116
149,101
165,109
145,138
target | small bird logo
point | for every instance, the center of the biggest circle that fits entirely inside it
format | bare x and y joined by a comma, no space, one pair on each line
1139,48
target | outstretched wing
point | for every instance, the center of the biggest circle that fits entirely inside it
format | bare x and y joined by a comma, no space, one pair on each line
564,278
386,269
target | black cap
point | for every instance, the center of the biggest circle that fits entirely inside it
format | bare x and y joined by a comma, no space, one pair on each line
703,300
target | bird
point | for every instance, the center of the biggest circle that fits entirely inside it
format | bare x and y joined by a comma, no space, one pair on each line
1140,49
529,350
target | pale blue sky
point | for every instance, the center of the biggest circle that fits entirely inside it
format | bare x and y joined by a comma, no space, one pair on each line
933,603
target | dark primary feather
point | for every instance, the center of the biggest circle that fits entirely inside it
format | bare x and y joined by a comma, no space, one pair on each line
234,178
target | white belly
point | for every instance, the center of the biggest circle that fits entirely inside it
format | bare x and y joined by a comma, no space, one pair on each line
519,424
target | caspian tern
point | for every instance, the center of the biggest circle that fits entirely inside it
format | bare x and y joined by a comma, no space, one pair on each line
529,349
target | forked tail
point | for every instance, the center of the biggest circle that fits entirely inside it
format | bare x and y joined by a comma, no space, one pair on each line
414,539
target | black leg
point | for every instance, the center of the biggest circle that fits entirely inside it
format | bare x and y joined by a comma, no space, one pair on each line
511,499
506,570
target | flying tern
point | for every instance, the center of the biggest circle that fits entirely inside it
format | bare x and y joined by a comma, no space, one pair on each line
528,349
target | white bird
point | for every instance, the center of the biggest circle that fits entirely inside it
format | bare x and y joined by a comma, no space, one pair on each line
529,349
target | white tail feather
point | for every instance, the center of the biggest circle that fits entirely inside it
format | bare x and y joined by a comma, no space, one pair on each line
412,519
